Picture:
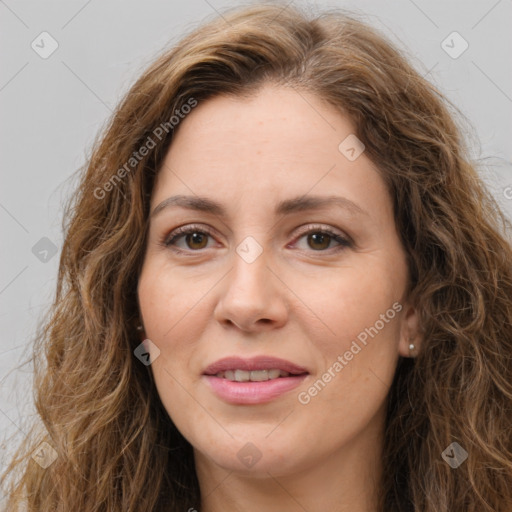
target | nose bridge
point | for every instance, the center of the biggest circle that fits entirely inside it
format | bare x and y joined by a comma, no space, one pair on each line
250,296
250,275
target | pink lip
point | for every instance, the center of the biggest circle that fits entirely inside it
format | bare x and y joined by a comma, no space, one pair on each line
252,392
254,363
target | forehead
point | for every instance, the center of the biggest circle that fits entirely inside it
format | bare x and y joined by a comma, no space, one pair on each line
279,143
275,121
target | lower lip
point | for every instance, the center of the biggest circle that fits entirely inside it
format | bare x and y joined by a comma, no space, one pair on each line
252,392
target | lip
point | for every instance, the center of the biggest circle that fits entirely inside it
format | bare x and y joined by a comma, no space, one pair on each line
252,393
254,363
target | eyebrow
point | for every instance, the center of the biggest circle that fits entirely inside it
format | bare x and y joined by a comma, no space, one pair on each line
285,207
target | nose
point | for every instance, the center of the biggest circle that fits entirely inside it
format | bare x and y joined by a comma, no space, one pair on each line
253,298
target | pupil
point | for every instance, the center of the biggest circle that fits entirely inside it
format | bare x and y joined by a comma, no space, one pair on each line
196,238
319,237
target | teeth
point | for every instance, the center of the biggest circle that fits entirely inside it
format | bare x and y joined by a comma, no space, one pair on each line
259,375
253,376
242,375
274,374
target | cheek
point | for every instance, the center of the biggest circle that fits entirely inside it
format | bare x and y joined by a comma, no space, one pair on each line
358,305
357,337
168,304
167,309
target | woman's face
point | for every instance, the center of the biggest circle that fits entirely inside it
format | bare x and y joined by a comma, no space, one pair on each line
273,271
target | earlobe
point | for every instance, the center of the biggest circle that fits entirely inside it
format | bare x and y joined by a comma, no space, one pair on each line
140,330
410,338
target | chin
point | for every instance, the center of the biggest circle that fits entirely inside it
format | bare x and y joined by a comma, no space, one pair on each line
255,458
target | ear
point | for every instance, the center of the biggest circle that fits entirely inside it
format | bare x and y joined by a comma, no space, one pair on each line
409,332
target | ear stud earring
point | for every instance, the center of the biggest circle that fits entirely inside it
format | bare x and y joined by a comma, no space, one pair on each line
412,347
140,328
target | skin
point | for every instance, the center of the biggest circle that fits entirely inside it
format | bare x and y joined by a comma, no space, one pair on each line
301,300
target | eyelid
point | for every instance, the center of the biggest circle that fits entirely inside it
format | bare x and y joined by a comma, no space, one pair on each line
307,228
184,230
343,240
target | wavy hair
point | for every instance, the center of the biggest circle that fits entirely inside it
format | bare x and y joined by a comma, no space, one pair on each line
117,448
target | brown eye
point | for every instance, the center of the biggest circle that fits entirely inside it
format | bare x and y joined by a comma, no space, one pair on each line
196,240
319,240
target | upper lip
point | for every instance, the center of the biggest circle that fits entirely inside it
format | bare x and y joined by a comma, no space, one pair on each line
253,363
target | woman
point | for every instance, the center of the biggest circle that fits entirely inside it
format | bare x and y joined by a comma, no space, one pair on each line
283,287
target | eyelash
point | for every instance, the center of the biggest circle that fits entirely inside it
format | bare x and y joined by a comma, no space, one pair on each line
168,241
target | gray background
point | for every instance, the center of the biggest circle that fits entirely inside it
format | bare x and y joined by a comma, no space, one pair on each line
51,109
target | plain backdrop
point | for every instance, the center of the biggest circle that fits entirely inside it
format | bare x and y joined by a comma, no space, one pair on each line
52,107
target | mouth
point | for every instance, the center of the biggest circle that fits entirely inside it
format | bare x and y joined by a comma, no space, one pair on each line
254,375
253,381
254,366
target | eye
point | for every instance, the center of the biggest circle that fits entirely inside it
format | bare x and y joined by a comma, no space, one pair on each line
319,239
195,238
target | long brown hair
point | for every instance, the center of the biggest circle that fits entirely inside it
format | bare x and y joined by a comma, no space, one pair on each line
117,448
